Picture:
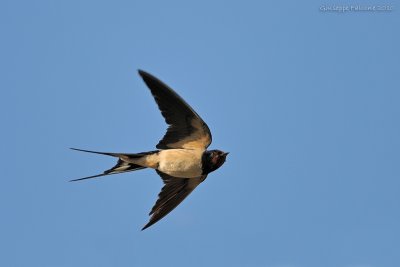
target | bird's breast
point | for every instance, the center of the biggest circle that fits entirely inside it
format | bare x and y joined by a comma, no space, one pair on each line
183,163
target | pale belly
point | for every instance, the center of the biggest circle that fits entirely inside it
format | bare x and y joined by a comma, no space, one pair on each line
181,163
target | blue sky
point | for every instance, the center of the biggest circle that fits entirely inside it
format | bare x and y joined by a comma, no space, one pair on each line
306,101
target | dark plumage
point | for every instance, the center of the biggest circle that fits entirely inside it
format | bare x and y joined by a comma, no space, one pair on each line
212,160
182,160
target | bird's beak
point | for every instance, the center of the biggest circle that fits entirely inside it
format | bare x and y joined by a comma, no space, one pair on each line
225,154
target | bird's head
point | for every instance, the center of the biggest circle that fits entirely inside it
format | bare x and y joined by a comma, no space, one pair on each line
212,160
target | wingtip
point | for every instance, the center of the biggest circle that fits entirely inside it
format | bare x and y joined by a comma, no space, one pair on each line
147,225
146,76
142,72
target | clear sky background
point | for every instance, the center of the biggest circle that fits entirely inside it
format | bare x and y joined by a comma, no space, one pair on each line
306,101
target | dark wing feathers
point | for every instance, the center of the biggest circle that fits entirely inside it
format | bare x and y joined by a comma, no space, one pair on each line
186,128
175,190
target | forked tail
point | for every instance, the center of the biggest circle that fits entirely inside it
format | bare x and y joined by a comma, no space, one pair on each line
121,166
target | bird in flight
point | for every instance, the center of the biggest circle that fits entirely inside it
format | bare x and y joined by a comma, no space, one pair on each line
181,159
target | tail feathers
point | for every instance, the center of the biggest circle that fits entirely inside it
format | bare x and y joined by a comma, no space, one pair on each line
120,167
118,155
101,153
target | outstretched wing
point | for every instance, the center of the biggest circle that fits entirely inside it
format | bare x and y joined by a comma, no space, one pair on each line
175,190
186,128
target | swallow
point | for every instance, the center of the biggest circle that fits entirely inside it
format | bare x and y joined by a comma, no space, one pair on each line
181,159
